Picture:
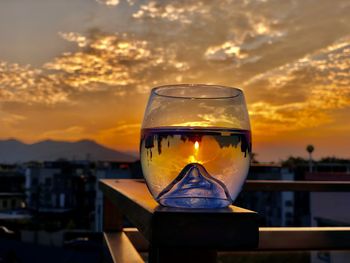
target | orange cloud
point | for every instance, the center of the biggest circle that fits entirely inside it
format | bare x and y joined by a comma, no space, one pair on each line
323,78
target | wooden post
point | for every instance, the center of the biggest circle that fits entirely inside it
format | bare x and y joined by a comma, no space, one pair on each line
173,234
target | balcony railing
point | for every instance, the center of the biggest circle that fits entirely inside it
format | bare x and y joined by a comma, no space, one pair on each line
307,186
175,235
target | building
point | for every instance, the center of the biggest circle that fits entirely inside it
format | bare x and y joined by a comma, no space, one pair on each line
327,208
68,191
11,188
12,196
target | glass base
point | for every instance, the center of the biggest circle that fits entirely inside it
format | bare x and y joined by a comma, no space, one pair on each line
194,202
194,187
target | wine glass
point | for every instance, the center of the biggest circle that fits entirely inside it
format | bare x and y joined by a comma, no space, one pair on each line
195,145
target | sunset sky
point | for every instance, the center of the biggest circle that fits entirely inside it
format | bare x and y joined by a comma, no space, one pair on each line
83,69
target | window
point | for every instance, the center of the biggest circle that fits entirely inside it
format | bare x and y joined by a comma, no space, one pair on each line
35,181
289,203
48,181
13,203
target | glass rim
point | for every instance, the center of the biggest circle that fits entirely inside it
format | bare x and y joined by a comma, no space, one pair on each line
156,90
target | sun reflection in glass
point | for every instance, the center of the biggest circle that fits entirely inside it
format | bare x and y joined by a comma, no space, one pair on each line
196,146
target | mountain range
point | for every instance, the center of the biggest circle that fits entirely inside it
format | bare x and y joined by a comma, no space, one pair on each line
14,151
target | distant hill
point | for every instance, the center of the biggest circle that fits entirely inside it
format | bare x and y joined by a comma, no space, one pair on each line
12,151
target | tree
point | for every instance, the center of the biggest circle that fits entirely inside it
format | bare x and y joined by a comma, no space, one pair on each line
310,148
293,162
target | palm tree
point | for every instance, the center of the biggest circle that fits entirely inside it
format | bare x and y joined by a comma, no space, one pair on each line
310,148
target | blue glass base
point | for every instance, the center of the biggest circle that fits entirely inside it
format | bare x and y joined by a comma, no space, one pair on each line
194,187
195,202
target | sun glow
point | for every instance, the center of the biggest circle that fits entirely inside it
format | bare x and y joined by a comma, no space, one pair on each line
93,76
